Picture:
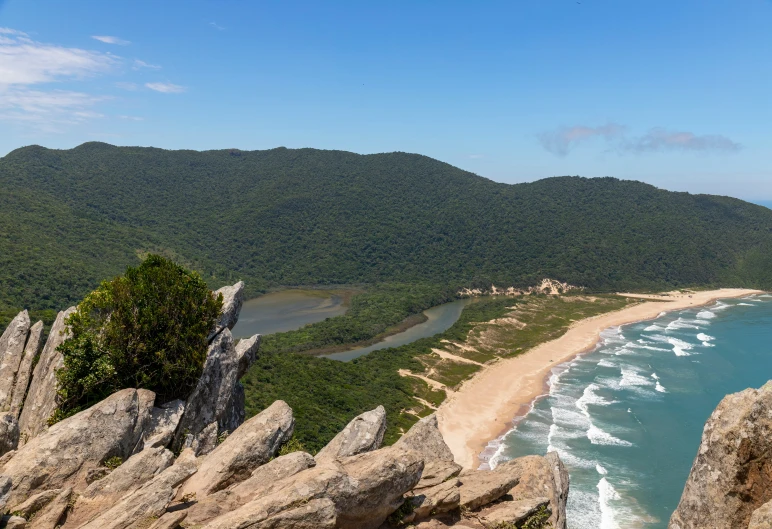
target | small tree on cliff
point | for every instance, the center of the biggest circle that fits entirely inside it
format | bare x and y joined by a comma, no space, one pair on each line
145,329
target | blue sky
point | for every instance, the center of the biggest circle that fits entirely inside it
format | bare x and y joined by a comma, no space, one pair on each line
677,94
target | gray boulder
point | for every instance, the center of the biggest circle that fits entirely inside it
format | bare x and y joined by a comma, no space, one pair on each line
163,423
127,478
252,445
559,498
209,400
439,499
481,487
31,350
263,481
363,434
63,456
246,352
10,521
49,516
9,433
513,513
12,344
232,300
730,477
762,517
146,504
36,502
41,397
425,438
5,492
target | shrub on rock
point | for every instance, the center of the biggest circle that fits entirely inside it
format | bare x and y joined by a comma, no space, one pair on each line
145,329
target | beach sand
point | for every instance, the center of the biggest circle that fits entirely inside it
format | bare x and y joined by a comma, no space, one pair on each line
485,406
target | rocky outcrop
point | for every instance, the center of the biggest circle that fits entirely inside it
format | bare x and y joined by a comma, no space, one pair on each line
49,517
425,438
63,456
211,400
252,445
31,350
731,476
41,396
232,300
12,344
9,433
163,423
762,517
363,434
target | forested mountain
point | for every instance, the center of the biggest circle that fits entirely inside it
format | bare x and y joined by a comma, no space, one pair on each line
70,218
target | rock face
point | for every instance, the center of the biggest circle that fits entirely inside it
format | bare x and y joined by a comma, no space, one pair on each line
211,400
731,476
9,433
62,456
41,397
363,434
762,517
11,351
425,438
232,300
31,350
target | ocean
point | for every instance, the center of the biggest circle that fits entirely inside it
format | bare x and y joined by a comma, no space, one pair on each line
627,417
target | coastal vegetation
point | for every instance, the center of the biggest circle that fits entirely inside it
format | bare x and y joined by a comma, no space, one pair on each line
285,217
145,329
326,394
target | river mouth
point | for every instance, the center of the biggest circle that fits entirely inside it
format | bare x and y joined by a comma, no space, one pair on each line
438,319
289,310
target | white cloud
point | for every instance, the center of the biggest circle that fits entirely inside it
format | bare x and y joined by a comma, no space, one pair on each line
142,64
107,39
131,118
662,140
216,26
561,141
47,111
25,62
166,88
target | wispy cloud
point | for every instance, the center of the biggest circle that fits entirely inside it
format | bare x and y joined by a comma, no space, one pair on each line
25,62
561,141
663,140
166,88
216,26
131,87
49,112
131,118
138,65
107,39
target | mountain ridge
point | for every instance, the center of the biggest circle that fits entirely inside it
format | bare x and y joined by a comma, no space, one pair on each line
286,217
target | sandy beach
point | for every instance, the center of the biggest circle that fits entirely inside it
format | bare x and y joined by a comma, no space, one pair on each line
484,407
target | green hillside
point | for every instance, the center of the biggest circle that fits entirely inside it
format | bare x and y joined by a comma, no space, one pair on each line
71,218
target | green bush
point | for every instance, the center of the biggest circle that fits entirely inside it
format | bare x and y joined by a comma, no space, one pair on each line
145,329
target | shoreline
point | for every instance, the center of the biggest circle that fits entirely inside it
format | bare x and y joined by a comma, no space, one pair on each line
487,405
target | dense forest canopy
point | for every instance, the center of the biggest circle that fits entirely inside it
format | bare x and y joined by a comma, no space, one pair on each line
281,217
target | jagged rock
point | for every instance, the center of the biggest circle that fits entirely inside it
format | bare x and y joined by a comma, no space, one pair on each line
62,456
6,457
49,516
11,351
435,500
365,489
209,400
762,517
313,514
9,433
252,445
363,434
731,475
163,423
246,352
206,441
31,350
425,438
513,512
170,520
6,483
36,502
481,487
13,522
261,482
235,411
41,397
232,300
128,477
559,499
141,507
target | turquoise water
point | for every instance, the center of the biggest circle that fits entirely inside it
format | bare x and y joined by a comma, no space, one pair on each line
627,418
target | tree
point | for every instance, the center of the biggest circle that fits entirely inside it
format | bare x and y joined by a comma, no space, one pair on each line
145,329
